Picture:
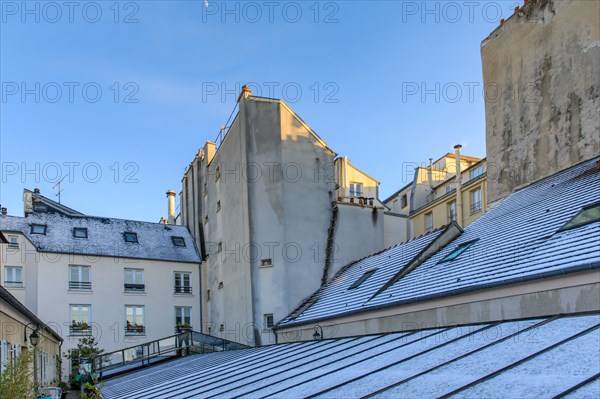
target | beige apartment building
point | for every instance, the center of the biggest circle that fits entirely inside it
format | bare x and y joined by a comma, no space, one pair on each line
438,195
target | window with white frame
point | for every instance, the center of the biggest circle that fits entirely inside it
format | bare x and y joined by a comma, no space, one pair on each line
476,200
134,320
13,241
183,283
356,189
183,317
134,280
80,278
13,276
429,221
478,171
80,232
451,211
81,319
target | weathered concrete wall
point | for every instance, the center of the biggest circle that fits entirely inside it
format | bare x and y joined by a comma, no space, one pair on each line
395,229
541,71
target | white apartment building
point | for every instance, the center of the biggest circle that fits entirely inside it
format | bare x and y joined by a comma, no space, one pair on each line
125,282
275,217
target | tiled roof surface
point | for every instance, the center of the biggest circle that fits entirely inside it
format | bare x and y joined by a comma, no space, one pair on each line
518,240
105,237
546,357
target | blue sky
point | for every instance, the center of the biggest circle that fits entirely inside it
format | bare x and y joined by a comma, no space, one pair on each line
119,96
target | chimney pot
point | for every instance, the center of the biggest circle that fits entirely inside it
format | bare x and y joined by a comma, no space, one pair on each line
171,207
457,147
246,92
4,211
36,190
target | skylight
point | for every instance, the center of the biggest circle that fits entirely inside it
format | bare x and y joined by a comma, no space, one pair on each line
588,214
80,232
178,241
457,251
130,237
38,229
362,279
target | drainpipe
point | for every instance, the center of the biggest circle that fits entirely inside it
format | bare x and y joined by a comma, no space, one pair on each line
459,205
430,179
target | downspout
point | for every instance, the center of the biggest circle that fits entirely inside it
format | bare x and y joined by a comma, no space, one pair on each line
459,204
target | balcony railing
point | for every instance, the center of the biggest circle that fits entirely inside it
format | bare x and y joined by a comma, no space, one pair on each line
13,284
183,289
135,330
135,287
475,207
80,285
80,330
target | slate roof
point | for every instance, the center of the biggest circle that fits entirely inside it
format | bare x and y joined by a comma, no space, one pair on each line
105,237
544,357
517,240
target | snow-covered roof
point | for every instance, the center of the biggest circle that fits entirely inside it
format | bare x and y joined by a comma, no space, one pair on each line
517,240
545,357
104,237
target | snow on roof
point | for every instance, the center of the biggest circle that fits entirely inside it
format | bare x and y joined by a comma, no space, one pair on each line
517,240
544,357
105,237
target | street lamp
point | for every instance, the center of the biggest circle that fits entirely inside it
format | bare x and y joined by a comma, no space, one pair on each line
34,339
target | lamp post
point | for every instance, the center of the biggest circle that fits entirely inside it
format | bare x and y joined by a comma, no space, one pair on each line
318,336
34,339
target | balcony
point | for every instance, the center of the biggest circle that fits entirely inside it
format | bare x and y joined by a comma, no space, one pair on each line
183,289
135,287
80,285
80,329
134,329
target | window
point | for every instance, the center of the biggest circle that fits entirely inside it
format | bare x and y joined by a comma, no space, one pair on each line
218,206
38,229
220,286
178,241
404,201
588,214
13,276
80,278
217,173
205,189
449,188
183,317
356,189
80,232
452,211
362,279
134,280
219,247
476,200
266,262
457,251
13,241
40,208
478,171
134,320
268,317
429,221
81,320
183,283
130,237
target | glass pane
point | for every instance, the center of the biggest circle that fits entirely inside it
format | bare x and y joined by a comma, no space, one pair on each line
74,271
85,314
18,275
129,277
74,313
85,274
186,280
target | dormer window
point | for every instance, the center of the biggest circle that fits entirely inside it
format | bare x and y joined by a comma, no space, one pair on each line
130,237
80,232
588,214
38,229
458,251
178,241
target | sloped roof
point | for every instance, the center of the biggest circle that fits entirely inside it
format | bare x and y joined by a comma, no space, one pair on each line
105,237
337,298
517,240
544,357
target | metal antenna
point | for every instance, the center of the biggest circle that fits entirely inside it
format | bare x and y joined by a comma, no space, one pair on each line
59,190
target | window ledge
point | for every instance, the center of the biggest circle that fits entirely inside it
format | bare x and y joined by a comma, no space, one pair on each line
141,293
86,292
265,266
14,288
182,294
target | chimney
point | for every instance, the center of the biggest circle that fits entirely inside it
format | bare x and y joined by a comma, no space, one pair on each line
36,191
246,92
4,211
430,173
459,208
171,199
